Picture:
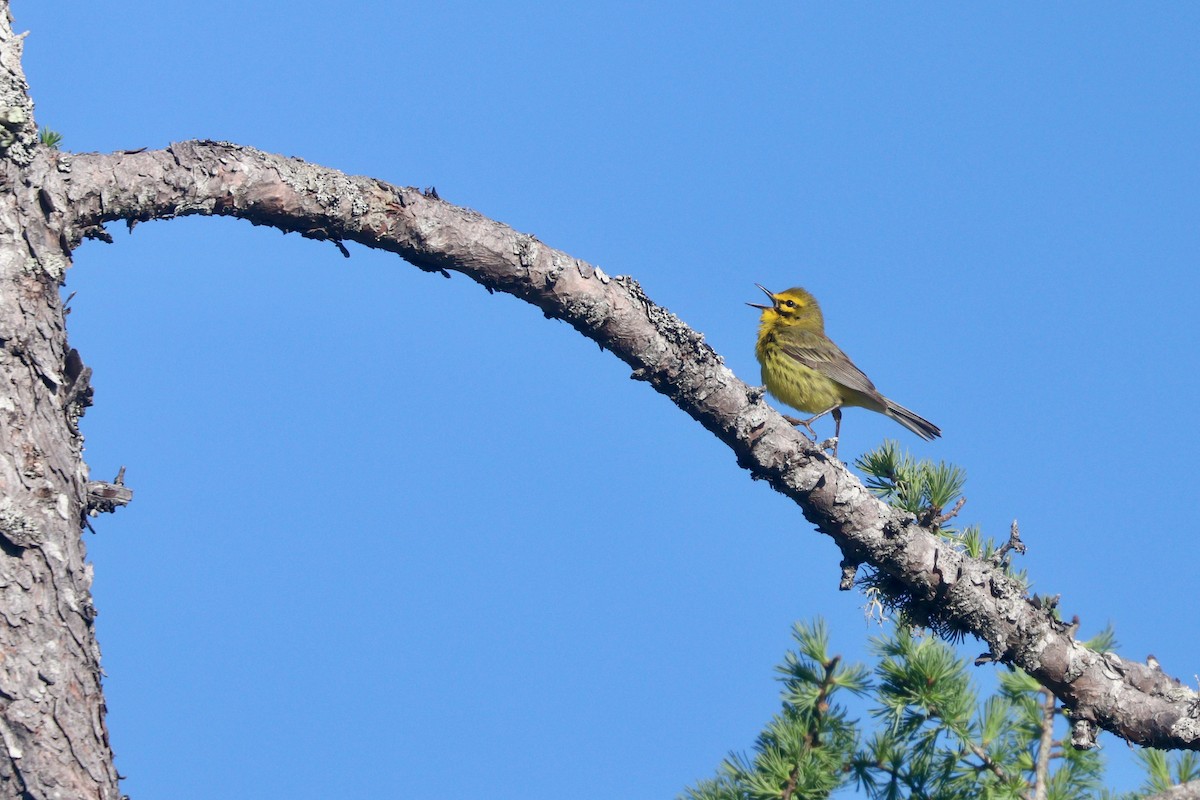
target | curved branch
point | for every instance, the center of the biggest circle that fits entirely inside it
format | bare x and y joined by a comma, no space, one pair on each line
201,177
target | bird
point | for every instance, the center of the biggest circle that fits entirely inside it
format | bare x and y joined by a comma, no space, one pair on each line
804,368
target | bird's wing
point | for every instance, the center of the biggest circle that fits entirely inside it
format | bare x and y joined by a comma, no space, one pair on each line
818,353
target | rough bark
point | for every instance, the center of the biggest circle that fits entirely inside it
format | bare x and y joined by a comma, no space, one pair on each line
51,709
1181,791
53,742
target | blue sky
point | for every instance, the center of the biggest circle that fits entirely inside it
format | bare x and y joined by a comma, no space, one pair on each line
393,536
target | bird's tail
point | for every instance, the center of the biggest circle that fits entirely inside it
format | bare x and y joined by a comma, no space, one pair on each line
918,425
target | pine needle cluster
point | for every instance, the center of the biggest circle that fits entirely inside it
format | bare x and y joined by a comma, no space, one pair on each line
932,494
932,735
50,138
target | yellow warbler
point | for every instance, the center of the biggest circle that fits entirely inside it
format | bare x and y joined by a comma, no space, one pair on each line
804,369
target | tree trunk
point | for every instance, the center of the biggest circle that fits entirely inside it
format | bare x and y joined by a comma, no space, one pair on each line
52,733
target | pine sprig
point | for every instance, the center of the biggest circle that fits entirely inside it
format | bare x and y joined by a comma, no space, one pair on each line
1164,770
50,138
922,488
805,750
938,737
926,489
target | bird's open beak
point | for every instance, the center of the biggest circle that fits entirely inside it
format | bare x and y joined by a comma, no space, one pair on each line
768,294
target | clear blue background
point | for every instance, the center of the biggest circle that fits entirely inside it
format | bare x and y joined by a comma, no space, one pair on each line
395,537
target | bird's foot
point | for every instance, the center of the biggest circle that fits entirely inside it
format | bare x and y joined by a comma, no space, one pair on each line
830,445
802,423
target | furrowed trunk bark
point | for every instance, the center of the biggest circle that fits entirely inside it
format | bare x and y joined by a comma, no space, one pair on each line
53,740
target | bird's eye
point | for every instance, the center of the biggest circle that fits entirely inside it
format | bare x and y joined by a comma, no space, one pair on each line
790,303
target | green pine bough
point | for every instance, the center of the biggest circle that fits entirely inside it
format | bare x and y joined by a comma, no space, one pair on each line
922,729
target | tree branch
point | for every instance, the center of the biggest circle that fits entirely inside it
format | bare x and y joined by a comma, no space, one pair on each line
1180,791
987,761
213,178
1041,771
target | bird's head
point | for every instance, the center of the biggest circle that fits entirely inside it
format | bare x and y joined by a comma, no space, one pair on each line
791,307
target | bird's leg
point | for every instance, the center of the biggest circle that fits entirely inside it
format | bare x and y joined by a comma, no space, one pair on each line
837,427
835,410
